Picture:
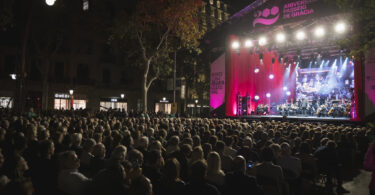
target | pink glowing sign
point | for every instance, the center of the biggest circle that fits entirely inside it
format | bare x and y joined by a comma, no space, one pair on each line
283,11
217,83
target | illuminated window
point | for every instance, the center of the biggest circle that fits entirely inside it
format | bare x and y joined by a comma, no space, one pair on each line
219,13
226,16
79,104
85,5
211,2
212,11
218,4
225,7
204,7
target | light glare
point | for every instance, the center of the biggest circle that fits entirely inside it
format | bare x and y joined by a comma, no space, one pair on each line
262,41
50,2
300,35
280,37
268,95
248,43
256,97
271,76
340,27
319,32
235,45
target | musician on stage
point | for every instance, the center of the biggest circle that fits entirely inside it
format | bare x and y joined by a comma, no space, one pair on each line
304,105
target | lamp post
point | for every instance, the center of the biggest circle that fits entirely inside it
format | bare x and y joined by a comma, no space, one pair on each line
196,107
122,96
50,2
71,91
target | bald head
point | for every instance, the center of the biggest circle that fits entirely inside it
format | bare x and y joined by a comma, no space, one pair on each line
239,164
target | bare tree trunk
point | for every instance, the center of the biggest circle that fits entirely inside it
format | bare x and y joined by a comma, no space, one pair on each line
144,93
45,85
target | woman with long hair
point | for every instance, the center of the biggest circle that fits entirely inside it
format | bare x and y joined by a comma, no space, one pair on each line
215,174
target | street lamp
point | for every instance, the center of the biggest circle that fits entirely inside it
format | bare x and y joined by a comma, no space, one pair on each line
13,76
122,96
196,107
71,91
50,2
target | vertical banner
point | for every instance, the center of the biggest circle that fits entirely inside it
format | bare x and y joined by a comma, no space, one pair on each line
217,82
370,83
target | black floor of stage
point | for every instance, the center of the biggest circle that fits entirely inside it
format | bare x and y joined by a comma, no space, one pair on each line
296,118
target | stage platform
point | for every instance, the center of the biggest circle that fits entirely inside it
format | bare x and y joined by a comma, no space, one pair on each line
296,118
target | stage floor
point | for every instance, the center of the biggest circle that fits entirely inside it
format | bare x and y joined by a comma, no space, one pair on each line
296,118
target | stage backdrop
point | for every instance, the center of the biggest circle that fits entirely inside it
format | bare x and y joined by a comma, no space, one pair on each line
217,82
242,78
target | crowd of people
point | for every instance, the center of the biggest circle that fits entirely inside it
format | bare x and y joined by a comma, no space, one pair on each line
76,153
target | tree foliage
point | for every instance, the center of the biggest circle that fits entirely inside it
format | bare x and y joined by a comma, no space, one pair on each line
156,29
363,20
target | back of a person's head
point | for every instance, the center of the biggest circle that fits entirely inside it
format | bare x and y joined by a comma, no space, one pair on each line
172,169
141,186
76,139
89,144
197,153
285,149
213,162
239,164
19,187
154,157
198,170
305,148
135,156
173,141
220,145
267,154
119,153
67,160
98,150
46,148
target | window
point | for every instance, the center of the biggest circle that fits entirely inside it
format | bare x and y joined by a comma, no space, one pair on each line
218,4
59,71
212,11
211,2
225,7
85,5
106,76
219,13
83,74
204,7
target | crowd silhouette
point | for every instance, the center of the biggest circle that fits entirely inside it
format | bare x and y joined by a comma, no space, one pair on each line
78,152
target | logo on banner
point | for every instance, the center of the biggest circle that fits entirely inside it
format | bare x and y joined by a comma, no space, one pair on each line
267,16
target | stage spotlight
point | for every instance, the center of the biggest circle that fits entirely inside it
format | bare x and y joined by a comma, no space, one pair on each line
280,38
256,97
288,93
248,43
340,27
262,41
285,88
271,76
300,35
268,95
236,45
256,70
319,32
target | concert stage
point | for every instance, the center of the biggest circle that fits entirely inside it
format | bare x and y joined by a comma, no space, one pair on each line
283,58
295,118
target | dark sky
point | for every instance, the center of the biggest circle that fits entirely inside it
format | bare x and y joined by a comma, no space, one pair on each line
237,5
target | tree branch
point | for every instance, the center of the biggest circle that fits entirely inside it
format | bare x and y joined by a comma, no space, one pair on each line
139,37
152,80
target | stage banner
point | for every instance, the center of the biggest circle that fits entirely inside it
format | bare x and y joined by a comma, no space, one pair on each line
217,82
278,12
370,83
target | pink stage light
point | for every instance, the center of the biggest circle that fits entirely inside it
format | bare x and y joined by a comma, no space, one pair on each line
256,97
256,70
271,76
288,93
268,95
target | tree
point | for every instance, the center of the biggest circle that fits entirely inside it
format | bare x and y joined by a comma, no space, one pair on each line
154,30
363,19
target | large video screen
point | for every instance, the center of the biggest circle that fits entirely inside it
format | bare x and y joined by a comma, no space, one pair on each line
332,82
